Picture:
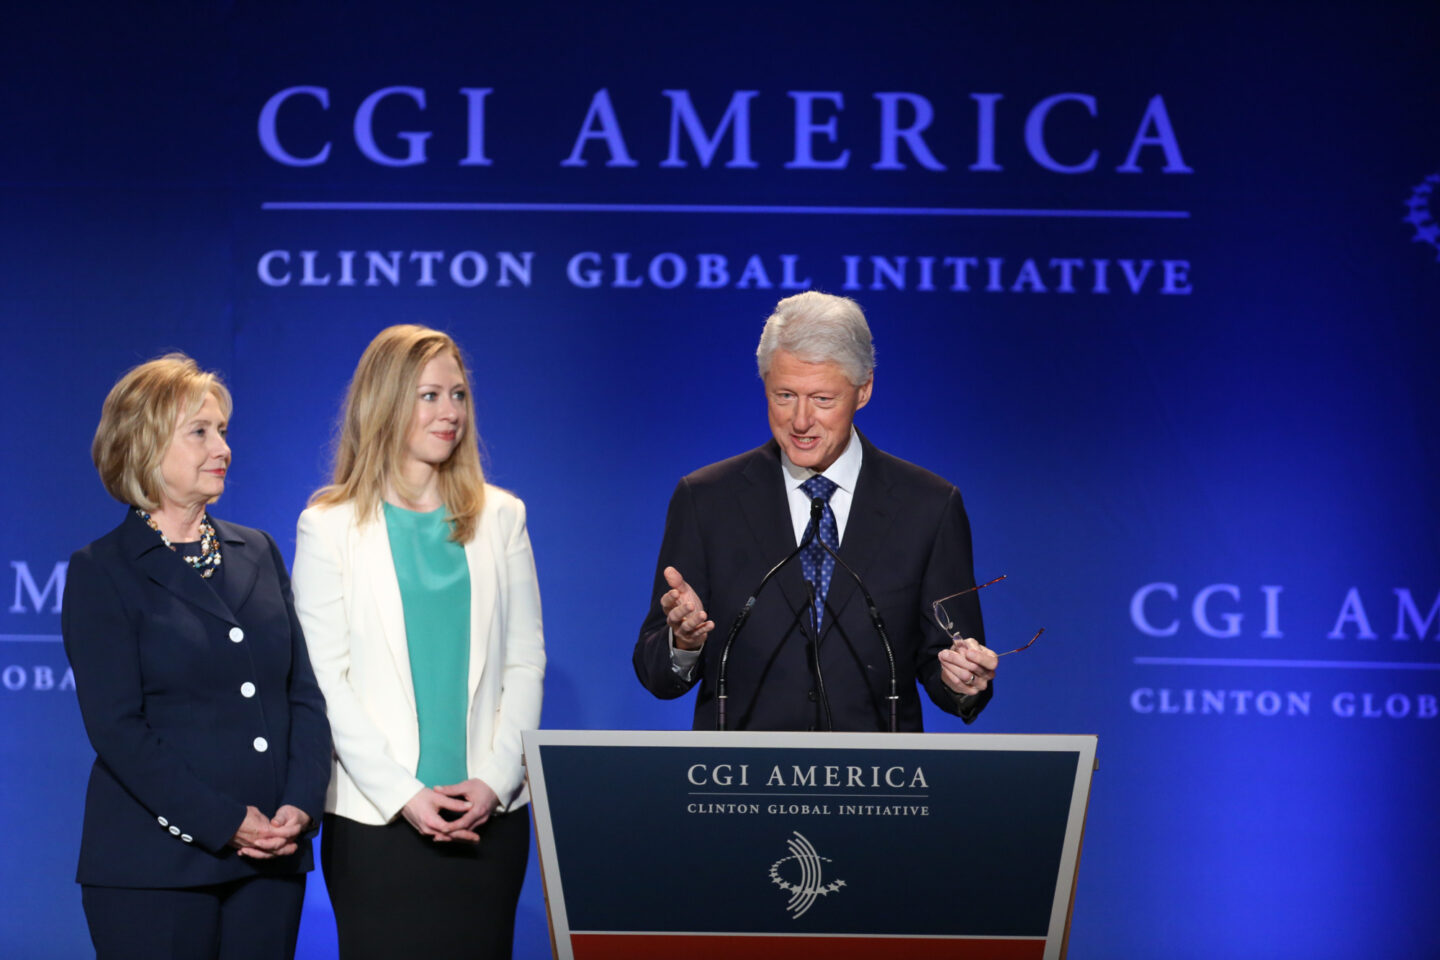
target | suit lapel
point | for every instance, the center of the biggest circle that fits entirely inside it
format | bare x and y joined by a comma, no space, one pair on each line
872,517
222,597
165,568
241,566
480,562
375,569
767,514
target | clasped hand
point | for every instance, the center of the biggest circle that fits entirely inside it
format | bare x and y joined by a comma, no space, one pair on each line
472,800
262,838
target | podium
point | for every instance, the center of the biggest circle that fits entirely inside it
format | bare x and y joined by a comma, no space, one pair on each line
705,844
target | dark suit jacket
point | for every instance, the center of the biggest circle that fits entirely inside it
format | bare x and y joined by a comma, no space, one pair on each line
907,537
163,663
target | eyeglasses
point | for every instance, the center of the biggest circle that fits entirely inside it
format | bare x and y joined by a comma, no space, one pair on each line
944,621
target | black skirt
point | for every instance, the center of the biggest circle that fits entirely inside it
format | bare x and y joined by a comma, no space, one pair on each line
398,894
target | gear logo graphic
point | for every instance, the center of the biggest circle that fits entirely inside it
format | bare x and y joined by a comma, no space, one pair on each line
1420,217
811,883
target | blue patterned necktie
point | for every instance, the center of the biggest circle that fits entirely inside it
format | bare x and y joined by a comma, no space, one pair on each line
815,563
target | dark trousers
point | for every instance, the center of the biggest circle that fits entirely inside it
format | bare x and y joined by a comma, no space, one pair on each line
239,920
397,894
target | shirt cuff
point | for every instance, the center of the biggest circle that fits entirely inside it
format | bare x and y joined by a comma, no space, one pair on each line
682,661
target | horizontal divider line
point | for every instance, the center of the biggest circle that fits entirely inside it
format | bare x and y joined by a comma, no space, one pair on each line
1294,664
813,796
461,207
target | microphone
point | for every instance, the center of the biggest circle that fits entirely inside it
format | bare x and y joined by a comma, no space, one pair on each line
815,649
817,507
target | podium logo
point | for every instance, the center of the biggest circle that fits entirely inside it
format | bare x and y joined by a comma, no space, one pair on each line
811,882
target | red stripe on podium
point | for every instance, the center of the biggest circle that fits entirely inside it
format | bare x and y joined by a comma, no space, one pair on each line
667,946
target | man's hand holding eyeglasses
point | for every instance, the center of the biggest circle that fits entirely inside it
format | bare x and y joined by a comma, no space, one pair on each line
967,667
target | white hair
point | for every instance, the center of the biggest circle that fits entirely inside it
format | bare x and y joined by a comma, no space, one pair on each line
819,328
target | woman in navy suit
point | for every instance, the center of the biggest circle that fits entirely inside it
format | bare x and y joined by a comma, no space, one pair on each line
212,747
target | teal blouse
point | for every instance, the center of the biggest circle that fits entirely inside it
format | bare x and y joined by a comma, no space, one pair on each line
435,591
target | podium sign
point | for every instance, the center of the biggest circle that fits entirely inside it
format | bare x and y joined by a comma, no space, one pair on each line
708,844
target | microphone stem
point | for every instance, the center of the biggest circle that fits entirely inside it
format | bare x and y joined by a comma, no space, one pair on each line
879,625
815,649
720,692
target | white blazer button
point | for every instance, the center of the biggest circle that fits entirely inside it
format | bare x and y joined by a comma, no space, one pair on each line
236,634
187,838
261,745
174,831
162,821
247,689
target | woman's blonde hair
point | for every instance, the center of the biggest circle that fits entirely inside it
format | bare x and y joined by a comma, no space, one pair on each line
138,420
375,427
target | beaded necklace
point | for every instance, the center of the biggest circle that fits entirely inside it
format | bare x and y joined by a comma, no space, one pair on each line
209,557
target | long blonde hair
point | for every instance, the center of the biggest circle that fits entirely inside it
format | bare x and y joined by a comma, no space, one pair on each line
379,406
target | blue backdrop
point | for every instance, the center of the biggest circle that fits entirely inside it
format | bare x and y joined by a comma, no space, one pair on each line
1156,289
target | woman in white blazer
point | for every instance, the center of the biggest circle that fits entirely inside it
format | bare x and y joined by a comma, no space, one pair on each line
415,584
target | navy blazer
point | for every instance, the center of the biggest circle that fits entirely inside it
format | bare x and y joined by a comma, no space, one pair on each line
907,537
198,699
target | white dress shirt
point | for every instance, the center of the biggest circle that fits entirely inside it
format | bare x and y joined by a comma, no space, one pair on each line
844,473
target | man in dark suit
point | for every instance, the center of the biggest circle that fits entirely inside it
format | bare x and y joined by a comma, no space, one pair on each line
821,665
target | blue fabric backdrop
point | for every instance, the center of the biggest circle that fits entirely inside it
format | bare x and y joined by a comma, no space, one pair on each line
1155,287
